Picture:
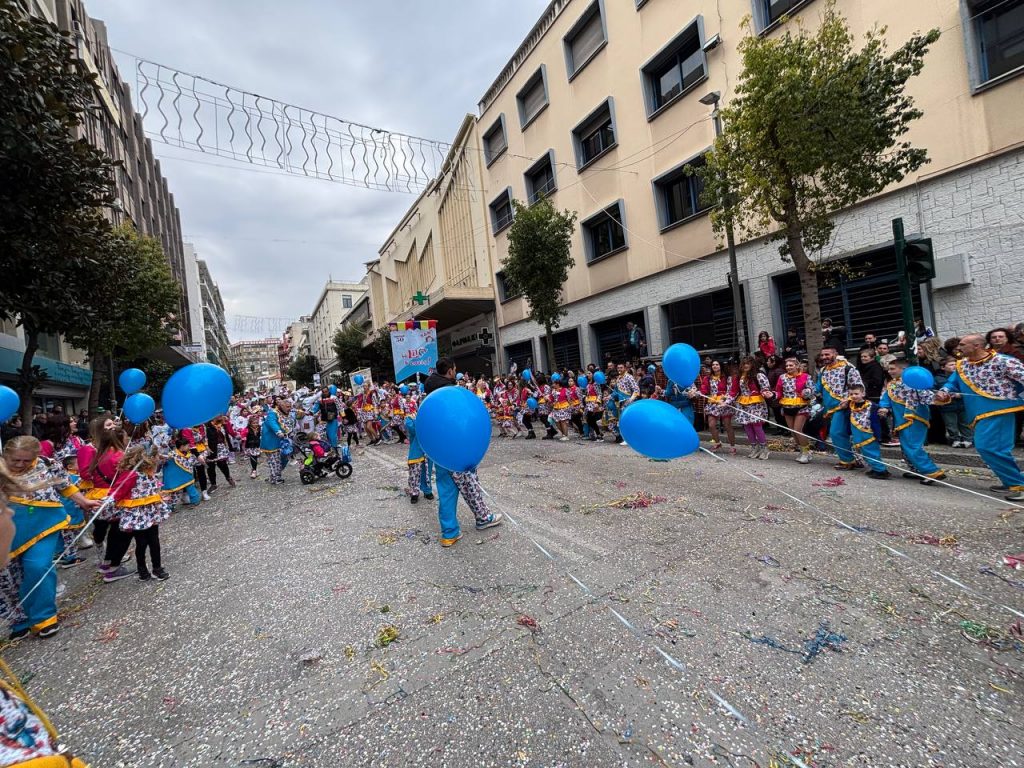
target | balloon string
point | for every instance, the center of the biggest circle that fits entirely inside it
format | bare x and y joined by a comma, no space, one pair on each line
897,467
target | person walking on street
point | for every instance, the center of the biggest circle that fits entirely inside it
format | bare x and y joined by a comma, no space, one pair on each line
833,386
451,484
990,384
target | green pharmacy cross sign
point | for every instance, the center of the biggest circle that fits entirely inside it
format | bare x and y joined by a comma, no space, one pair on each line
420,299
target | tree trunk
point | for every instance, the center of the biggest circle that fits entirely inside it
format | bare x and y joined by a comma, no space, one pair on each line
26,384
549,339
94,388
808,295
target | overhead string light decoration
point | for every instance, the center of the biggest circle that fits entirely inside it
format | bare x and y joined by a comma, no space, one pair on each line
195,113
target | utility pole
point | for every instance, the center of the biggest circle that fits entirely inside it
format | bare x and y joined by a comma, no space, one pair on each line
712,99
906,302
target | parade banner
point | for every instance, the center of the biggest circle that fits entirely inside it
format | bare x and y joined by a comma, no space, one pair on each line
413,347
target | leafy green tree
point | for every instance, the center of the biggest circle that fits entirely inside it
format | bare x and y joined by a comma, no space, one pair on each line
302,369
53,187
237,384
348,347
539,261
814,127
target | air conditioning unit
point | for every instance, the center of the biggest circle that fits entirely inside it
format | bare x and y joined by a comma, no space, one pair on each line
952,272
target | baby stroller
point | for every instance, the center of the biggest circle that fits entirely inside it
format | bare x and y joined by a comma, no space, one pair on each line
319,459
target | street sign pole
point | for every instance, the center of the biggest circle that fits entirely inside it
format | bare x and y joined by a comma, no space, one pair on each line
906,302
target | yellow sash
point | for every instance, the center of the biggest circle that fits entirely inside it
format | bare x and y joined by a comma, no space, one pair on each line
749,399
793,401
155,498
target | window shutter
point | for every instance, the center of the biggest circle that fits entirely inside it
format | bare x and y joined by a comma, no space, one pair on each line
587,40
534,99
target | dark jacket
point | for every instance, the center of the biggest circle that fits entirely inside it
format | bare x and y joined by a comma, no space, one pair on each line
436,381
874,379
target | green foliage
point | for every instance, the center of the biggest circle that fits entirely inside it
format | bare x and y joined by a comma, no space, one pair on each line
539,260
237,384
348,347
379,349
815,126
302,369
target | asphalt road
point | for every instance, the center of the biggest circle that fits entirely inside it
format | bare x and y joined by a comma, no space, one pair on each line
325,626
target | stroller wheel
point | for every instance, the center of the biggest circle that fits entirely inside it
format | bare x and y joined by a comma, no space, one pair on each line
306,477
343,470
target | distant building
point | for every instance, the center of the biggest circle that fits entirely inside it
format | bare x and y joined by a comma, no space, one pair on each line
256,363
336,301
215,331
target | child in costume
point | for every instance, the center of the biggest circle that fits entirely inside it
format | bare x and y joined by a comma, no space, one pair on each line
912,413
865,430
179,474
142,506
420,466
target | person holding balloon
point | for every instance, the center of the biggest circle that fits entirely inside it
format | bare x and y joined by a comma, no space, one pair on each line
527,403
39,516
991,385
561,412
328,409
272,436
454,430
143,508
716,388
366,408
910,403
421,468
592,406
97,463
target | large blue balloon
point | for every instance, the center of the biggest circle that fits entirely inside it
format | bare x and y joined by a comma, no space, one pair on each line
404,389
682,364
527,374
917,377
131,380
9,403
195,394
581,381
358,379
656,429
453,428
333,390
556,377
652,368
139,407
531,403
599,378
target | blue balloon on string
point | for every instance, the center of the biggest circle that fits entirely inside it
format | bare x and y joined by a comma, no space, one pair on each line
459,376
139,407
682,364
917,377
531,403
454,428
333,390
652,368
9,402
556,377
657,430
599,378
404,389
195,394
358,379
527,374
581,381
131,380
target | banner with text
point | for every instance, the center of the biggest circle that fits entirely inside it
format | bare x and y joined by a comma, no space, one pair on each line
413,347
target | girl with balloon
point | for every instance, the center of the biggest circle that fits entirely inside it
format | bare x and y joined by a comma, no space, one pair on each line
592,406
366,407
750,390
576,402
527,404
715,387
142,508
97,464
561,412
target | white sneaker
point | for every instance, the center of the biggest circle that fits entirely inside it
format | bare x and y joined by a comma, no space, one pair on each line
966,444
804,457
86,542
956,444
624,444
563,439
206,496
61,588
763,453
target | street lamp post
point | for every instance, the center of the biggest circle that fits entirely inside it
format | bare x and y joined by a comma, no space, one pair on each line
712,100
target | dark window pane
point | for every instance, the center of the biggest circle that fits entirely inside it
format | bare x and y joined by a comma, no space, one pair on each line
670,83
542,182
693,68
521,354
1001,36
597,141
606,233
776,9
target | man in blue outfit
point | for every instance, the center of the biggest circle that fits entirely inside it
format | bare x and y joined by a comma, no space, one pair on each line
451,484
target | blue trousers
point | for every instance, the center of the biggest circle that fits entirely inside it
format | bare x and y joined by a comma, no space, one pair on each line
839,436
331,430
872,454
912,446
41,606
447,504
192,494
993,437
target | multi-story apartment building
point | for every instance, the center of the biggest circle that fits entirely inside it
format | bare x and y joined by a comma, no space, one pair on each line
215,332
600,109
256,363
336,301
194,319
436,263
143,199
294,342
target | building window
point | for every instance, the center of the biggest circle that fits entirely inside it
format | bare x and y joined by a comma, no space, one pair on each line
501,211
677,68
540,178
705,322
604,233
996,33
533,97
520,354
678,193
596,135
586,38
768,12
567,350
346,301
495,140
506,291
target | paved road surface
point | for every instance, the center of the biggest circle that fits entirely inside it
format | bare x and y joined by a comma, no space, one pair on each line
267,646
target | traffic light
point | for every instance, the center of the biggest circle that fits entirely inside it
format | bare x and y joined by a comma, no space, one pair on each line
920,260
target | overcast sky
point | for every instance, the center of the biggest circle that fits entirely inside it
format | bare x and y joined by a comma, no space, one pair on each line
410,66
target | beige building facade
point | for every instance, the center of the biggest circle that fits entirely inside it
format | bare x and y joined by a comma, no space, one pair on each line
599,109
437,265
336,301
256,363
